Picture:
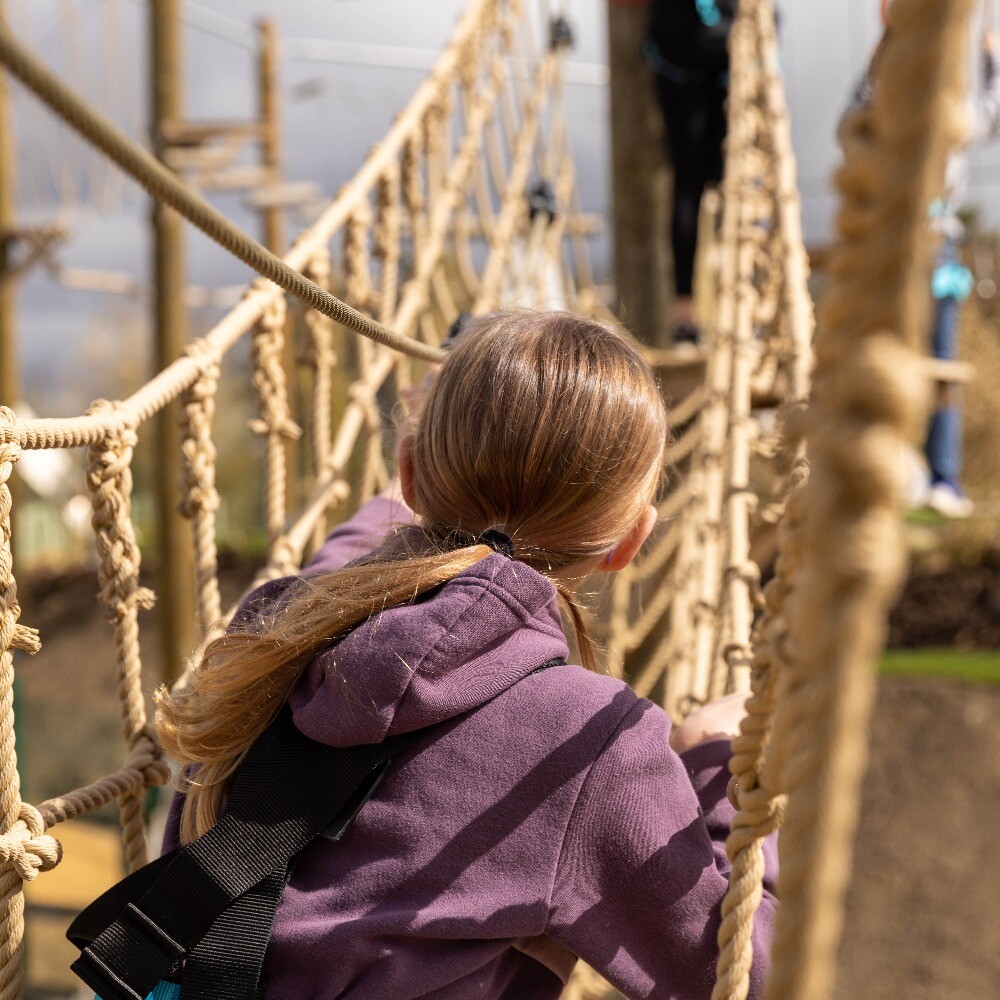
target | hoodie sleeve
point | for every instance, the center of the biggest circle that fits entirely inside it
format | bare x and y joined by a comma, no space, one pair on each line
643,866
361,534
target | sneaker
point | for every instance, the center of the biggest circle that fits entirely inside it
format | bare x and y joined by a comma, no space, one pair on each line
687,333
949,501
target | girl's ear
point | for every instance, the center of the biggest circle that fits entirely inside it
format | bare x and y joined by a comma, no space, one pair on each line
625,551
404,466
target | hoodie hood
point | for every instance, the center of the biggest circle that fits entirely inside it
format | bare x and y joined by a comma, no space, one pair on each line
432,660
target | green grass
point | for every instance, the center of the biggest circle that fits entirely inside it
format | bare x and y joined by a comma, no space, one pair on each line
981,666
925,516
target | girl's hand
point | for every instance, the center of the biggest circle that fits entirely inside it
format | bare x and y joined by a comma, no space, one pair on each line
718,720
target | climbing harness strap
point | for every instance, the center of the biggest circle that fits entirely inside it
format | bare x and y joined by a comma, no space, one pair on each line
267,824
210,905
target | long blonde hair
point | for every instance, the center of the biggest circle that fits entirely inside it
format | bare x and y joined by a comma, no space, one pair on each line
549,427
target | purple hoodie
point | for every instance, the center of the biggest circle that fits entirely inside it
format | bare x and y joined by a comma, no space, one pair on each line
553,821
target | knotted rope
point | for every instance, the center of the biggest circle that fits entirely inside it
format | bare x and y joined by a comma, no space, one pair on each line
109,478
199,496
24,850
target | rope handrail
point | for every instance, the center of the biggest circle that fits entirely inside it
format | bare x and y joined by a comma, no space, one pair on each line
163,185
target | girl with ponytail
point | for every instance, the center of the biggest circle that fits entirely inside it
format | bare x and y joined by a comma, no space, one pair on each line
545,816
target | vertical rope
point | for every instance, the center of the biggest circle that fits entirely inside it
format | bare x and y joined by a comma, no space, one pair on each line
413,193
109,478
200,498
360,290
755,792
12,636
275,424
321,358
387,234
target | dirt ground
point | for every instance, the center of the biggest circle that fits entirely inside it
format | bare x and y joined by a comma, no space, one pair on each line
924,909
923,919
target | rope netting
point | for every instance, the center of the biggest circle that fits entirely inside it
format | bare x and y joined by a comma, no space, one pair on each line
436,222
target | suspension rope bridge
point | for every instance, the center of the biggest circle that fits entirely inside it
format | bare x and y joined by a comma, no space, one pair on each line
435,222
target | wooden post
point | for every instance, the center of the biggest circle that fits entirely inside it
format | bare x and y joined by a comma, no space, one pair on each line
270,120
177,601
273,210
639,179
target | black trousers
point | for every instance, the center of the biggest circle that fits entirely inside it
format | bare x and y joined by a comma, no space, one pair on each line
695,117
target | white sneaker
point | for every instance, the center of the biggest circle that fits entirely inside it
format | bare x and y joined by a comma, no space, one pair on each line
948,501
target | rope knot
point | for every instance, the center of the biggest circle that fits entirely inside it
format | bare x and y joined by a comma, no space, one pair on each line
26,848
146,756
10,446
282,426
120,598
207,383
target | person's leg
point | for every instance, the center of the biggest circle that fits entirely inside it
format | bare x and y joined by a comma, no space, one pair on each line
684,116
944,436
943,447
716,126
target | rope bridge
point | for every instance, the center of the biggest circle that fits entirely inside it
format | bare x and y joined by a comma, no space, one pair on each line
435,222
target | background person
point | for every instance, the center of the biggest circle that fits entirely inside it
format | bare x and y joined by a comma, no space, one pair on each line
939,486
687,50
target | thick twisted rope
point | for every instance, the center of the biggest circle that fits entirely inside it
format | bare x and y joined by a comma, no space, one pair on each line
275,424
760,804
867,397
199,496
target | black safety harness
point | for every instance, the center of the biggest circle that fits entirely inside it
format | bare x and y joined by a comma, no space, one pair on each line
202,914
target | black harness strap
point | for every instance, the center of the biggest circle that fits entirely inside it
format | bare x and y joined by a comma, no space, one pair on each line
211,904
260,832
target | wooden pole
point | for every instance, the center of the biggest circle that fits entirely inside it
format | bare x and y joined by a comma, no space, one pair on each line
270,119
273,211
177,601
639,179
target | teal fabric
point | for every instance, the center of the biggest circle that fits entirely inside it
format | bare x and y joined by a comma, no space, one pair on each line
709,13
952,281
163,991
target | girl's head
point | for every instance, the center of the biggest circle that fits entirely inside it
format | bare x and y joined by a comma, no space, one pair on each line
546,426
